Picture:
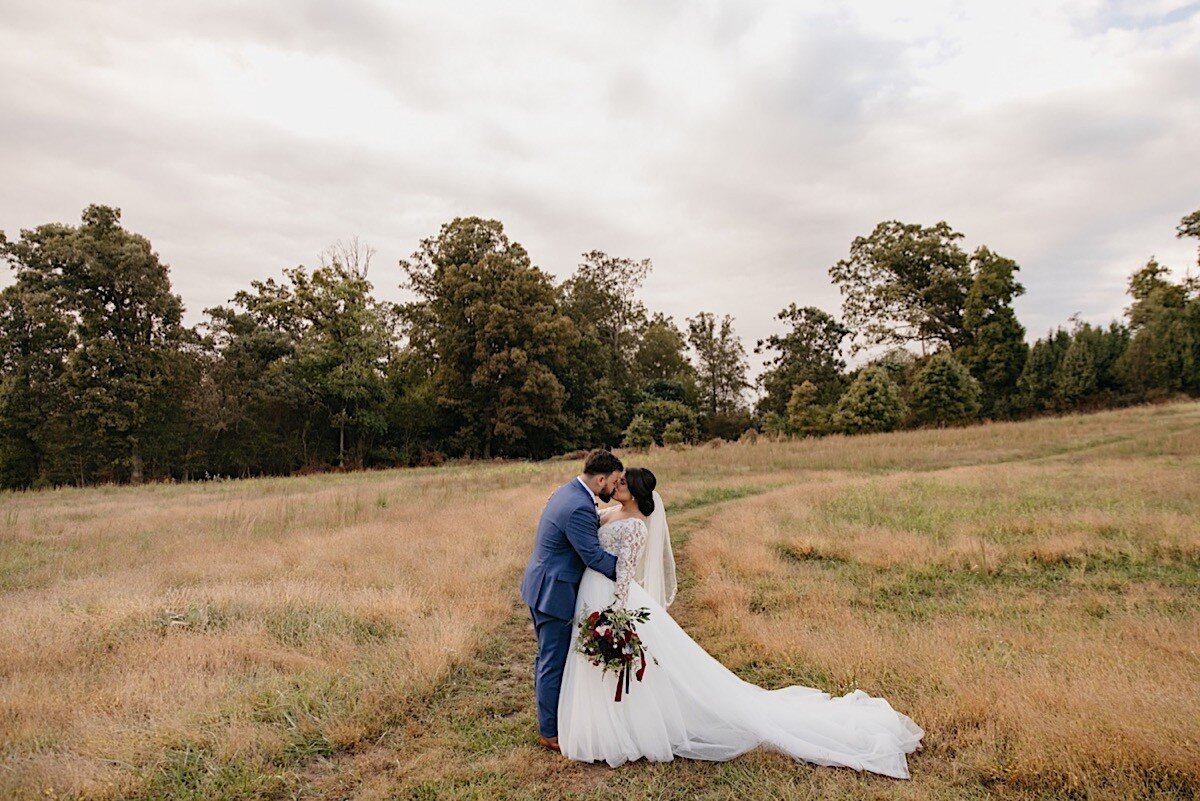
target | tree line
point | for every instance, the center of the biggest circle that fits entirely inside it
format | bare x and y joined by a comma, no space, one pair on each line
102,381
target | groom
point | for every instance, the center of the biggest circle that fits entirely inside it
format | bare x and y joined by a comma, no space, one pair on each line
567,542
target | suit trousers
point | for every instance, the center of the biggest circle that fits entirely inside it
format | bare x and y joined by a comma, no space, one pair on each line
554,643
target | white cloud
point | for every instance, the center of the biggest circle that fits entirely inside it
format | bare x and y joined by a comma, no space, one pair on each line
740,145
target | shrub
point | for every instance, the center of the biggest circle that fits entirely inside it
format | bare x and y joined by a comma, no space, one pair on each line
673,434
806,417
640,433
872,403
775,426
661,413
945,392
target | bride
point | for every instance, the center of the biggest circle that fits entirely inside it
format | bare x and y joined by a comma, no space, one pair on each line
688,704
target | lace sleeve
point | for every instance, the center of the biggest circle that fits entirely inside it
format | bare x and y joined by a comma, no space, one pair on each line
633,538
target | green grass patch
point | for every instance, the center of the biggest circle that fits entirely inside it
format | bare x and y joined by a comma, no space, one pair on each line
299,625
713,495
193,773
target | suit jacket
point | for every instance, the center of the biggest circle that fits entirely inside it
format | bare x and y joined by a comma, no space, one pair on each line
567,542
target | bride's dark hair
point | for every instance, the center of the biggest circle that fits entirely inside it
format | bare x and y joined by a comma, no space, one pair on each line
641,483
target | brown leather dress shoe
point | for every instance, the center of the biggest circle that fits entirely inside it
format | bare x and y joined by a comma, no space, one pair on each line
549,743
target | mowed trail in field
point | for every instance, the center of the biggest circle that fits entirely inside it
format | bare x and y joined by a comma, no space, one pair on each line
1027,592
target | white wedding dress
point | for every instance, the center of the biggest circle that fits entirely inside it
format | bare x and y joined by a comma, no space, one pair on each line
689,705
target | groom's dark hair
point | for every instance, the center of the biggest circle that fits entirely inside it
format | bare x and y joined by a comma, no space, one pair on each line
600,463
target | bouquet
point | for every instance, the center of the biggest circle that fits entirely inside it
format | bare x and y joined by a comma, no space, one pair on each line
610,641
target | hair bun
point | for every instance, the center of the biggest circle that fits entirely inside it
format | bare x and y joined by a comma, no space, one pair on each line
641,483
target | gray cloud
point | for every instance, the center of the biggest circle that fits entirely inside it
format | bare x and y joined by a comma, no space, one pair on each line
741,146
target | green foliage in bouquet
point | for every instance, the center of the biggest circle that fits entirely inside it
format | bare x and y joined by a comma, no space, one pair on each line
610,641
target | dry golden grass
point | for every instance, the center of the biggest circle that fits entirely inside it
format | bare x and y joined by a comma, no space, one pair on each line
1029,593
1043,627
242,620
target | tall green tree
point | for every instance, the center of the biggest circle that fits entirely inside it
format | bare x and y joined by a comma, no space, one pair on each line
342,356
1078,374
810,351
254,418
662,360
1089,369
494,327
600,377
721,360
1036,388
603,295
120,380
35,342
905,283
1164,320
1189,226
315,347
995,350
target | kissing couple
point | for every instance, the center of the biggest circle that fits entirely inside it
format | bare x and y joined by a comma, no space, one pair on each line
686,704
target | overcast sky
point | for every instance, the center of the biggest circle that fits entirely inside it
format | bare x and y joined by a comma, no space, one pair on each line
739,145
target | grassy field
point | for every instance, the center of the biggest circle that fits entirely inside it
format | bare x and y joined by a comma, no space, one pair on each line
1029,593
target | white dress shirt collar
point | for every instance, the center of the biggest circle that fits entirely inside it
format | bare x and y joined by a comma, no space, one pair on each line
595,500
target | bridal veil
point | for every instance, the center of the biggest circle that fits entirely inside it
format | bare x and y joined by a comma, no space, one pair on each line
656,569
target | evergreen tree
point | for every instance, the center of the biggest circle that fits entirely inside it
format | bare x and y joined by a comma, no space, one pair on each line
872,403
1088,372
944,392
805,416
640,433
1076,377
995,349
1036,388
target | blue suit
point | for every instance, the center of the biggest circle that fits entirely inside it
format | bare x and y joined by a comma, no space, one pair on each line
567,543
